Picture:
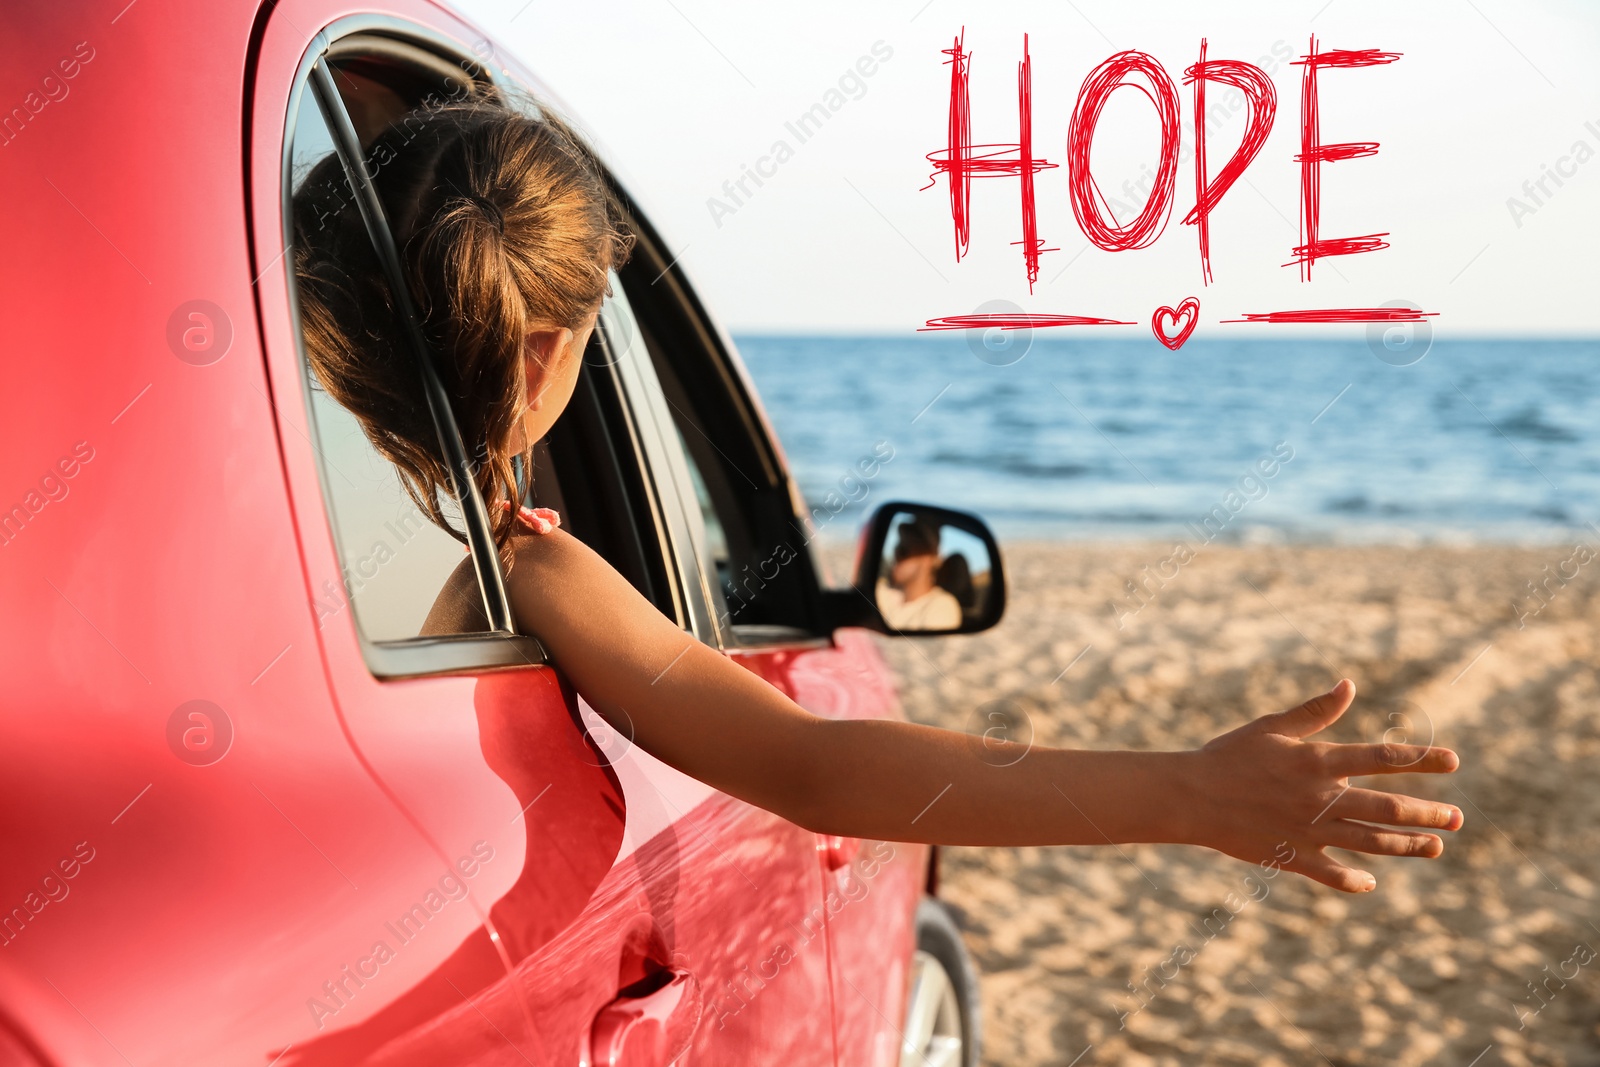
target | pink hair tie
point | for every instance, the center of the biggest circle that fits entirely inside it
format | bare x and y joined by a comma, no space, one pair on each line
539,520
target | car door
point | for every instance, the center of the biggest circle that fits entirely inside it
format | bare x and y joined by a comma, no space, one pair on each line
186,833
562,882
758,572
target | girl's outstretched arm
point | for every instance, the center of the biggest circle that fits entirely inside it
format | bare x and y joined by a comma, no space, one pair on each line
1261,793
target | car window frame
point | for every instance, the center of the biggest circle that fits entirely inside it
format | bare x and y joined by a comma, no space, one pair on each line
667,474
714,347
634,443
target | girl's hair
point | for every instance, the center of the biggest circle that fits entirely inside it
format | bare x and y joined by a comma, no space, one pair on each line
505,223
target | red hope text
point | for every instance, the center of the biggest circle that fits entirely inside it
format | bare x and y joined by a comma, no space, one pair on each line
962,160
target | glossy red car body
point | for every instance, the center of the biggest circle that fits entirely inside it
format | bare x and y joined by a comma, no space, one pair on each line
427,870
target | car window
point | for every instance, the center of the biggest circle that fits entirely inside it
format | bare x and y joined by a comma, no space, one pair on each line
766,587
394,559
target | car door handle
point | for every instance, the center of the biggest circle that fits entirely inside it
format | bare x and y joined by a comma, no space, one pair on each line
647,1030
837,852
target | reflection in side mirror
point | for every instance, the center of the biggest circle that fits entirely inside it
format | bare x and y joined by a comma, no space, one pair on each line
930,570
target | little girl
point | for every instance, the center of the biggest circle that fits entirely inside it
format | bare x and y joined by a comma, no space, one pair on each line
507,230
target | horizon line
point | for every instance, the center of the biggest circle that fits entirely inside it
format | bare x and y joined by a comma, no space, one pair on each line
1296,331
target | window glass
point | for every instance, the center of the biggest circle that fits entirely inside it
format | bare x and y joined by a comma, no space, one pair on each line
393,558
716,536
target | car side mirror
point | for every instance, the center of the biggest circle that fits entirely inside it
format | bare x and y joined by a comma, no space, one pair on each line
923,570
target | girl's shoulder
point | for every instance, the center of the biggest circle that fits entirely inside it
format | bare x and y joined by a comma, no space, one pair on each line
458,608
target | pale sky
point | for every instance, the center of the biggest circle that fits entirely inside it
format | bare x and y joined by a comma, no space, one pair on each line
683,95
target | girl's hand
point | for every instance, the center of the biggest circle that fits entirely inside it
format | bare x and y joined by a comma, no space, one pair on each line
1265,794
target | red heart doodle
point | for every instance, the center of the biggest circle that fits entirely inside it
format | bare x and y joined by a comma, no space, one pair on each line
1172,328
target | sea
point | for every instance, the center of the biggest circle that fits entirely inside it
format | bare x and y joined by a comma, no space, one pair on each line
1379,438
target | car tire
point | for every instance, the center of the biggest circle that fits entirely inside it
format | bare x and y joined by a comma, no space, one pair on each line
943,1027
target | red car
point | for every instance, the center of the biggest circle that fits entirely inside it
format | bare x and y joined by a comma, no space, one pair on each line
250,816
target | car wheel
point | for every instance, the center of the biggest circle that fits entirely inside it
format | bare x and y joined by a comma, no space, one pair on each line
942,1023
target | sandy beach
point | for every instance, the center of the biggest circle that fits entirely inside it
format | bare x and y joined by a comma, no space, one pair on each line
1441,963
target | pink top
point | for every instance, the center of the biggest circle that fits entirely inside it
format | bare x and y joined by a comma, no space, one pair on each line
539,520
